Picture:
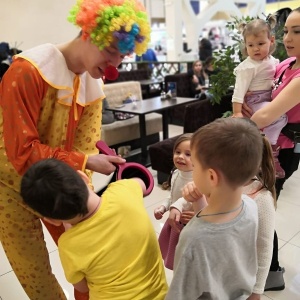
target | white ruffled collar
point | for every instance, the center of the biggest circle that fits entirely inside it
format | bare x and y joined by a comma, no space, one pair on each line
52,67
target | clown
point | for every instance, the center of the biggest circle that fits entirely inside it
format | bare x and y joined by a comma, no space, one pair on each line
50,106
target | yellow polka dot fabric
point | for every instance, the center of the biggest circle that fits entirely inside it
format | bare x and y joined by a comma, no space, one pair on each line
33,126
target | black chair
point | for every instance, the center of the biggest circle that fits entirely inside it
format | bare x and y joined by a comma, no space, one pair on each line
196,115
184,89
3,68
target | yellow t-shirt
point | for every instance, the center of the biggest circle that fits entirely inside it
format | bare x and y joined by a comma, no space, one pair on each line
116,250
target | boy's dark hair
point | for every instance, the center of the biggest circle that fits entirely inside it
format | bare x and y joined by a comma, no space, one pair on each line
54,190
232,146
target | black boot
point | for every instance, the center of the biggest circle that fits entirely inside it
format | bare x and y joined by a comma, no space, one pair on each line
275,280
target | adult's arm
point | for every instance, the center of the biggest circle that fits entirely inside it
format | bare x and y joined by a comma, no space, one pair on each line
284,101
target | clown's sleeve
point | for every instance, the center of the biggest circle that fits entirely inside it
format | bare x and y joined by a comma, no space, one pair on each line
88,132
22,92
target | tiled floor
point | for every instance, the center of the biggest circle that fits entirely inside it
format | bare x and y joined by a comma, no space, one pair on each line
287,225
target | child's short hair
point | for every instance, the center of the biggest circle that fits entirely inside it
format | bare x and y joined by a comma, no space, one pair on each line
256,27
232,146
54,190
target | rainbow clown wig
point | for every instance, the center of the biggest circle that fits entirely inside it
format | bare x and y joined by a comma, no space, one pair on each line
107,20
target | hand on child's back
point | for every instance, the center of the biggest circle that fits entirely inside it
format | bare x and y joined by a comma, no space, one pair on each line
246,110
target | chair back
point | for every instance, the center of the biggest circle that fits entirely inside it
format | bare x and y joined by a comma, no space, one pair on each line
202,112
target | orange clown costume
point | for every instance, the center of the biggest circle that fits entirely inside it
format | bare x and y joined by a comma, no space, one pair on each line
56,114
48,111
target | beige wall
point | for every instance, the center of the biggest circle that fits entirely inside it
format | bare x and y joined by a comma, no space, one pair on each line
33,22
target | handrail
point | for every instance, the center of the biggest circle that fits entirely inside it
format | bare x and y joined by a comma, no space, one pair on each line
159,69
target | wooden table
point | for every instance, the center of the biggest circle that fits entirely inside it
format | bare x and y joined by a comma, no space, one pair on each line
143,107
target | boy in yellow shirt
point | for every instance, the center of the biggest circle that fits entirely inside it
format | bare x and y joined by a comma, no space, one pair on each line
110,248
